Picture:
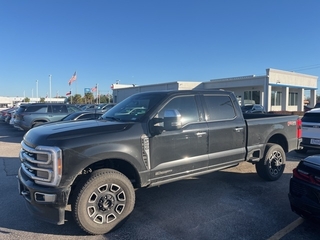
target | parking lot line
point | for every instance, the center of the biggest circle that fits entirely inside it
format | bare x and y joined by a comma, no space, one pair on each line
287,229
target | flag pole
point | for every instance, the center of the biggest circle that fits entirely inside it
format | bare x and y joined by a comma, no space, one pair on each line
97,93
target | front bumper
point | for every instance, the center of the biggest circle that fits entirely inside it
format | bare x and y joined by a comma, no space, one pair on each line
45,203
304,199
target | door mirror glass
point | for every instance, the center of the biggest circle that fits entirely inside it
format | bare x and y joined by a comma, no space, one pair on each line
172,120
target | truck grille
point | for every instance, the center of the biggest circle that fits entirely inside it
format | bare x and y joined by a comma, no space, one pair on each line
42,164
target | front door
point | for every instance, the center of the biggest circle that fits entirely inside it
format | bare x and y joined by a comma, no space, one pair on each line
180,152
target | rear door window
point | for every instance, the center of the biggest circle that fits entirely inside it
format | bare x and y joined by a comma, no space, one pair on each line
37,108
59,108
72,109
219,108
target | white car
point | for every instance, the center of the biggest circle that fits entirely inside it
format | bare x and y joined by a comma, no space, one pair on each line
310,130
13,113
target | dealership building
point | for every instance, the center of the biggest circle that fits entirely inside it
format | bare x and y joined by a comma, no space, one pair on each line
277,90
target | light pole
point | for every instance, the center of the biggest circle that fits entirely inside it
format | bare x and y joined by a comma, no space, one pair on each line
32,93
50,85
37,87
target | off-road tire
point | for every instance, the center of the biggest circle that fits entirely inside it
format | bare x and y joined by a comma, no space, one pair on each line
272,165
103,202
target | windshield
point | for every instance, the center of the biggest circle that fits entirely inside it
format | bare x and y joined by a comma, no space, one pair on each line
133,108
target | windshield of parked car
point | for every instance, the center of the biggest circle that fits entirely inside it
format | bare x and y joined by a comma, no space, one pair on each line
246,108
134,108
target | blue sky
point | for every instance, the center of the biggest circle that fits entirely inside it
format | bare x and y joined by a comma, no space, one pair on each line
150,41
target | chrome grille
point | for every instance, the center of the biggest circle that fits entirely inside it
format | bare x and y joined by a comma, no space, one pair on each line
42,164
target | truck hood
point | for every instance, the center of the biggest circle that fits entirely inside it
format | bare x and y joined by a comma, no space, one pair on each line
59,131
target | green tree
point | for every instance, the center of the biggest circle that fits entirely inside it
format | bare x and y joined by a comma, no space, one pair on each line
88,98
26,99
103,99
42,100
76,99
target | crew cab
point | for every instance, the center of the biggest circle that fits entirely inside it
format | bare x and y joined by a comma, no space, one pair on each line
148,139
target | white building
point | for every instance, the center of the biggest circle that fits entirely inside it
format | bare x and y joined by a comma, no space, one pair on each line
6,102
277,90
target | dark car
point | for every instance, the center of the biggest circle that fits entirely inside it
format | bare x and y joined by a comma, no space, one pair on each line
254,108
31,115
83,115
304,191
101,108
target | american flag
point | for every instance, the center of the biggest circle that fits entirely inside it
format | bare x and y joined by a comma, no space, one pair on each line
73,78
94,89
68,93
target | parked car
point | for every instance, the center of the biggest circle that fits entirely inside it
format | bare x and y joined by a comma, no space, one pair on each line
76,116
307,108
31,115
102,108
9,115
82,115
254,108
310,130
4,113
304,190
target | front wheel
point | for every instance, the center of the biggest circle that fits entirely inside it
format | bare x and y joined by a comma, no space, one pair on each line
104,202
272,165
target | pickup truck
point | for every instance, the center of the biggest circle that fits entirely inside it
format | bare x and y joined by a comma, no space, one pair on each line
148,139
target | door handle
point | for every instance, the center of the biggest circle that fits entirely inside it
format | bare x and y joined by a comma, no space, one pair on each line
238,129
200,134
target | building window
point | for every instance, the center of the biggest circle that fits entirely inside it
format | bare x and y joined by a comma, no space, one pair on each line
252,95
293,99
276,98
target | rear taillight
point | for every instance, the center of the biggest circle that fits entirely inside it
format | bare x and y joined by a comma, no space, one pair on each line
301,175
299,128
305,176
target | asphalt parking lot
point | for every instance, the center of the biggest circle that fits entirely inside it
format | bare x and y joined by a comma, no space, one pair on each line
230,204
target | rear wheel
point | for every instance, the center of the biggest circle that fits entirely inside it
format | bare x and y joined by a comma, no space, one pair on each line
104,202
272,165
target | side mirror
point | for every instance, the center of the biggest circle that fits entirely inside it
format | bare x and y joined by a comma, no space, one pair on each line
172,120
156,126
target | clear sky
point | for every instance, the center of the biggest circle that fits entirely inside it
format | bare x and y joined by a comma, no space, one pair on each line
151,41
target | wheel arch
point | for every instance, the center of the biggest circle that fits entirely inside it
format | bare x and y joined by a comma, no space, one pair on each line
279,139
119,165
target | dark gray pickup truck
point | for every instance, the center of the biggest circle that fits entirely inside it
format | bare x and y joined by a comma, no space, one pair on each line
148,139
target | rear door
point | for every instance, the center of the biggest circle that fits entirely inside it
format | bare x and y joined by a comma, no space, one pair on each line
58,111
227,130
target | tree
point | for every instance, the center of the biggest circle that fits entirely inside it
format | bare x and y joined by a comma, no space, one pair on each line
88,98
26,99
103,99
77,99
42,100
